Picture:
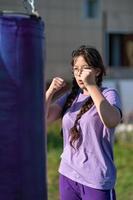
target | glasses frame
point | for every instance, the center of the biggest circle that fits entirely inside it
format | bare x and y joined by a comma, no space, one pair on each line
76,69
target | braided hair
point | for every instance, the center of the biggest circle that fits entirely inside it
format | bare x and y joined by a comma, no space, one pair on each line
71,97
93,58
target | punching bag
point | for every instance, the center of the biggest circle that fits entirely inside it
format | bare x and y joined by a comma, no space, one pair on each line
22,141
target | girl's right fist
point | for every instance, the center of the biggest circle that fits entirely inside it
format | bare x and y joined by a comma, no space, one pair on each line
56,84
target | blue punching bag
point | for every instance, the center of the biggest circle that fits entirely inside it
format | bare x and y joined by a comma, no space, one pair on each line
22,141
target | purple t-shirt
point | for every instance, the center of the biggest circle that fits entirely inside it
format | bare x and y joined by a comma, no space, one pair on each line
92,164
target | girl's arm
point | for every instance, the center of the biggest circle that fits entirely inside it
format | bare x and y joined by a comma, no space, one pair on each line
53,111
109,114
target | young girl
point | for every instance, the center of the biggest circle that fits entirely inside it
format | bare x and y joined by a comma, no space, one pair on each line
89,114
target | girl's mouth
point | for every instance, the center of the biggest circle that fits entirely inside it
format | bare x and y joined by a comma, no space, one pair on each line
80,82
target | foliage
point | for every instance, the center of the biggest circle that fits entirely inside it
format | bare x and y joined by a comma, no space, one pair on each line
124,133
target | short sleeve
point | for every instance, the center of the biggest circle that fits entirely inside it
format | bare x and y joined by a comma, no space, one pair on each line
61,100
113,98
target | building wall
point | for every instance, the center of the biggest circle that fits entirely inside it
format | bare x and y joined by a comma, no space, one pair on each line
119,15
67,27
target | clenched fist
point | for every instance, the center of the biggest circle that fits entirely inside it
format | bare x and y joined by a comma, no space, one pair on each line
56,84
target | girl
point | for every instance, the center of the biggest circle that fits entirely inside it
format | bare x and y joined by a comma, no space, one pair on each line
89,114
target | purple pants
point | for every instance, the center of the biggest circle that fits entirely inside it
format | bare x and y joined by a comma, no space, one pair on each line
71,190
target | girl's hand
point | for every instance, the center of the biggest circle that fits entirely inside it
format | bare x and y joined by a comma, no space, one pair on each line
56,84
88,77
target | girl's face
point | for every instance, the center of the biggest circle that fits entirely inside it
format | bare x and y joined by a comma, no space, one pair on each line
79,65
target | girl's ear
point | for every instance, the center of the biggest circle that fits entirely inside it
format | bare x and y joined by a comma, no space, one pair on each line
98,71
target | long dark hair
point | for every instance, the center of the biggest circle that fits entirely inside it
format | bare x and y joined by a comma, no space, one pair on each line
93,58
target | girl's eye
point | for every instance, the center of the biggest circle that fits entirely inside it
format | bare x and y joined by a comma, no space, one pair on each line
87,67
75,70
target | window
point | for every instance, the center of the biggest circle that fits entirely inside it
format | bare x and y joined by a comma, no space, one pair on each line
91,8
120,49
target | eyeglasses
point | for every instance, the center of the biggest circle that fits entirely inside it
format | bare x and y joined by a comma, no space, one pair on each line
77,71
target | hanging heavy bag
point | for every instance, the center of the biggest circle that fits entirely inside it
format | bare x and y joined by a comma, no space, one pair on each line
22,142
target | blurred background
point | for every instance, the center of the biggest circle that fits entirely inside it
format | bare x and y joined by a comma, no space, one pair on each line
108,26
104,24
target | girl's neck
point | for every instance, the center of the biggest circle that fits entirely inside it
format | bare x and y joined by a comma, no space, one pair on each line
84,92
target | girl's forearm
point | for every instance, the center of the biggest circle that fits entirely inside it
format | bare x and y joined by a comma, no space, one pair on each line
109,114
48,98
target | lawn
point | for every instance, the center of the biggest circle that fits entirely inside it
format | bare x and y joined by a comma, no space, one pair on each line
123,159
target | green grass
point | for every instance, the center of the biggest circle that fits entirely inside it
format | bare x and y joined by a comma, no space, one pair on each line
54,150
123,159
53,162
124,162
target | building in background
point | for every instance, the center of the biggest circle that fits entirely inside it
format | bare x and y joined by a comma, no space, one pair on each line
105,24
